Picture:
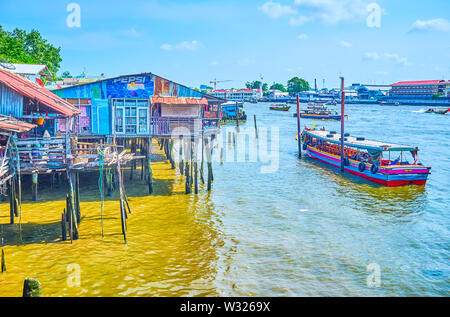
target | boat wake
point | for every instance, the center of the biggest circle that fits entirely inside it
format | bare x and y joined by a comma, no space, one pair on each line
419,111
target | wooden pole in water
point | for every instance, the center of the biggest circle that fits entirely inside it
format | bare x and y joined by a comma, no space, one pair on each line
63,226
201,165
77,197
32,288
298,128
237,118
342,123
34,186
3,261
149,166
256,128
181,163
187,169
11,201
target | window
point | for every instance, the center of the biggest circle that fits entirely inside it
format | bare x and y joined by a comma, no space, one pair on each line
131,116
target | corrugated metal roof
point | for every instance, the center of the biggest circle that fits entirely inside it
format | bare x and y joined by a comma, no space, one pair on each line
30,69
27,88
420,82
11,124
179,100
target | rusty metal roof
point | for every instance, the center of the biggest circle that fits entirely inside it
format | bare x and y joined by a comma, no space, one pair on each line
11,124
31,90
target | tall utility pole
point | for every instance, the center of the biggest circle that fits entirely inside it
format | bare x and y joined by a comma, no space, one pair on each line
261,86
298,127
342,122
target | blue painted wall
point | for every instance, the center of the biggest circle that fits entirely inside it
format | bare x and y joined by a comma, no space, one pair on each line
11,102
142,86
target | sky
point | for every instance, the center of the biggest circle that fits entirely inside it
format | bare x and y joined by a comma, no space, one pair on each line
193,42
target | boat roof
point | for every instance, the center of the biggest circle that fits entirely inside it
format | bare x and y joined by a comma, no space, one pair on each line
362,144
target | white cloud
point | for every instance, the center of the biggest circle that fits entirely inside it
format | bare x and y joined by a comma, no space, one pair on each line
330,11
214,63
397,58
130,32
374,56
295,21
183,46
345,44
244,61
275,10
167,47
371,56
303,36
440,24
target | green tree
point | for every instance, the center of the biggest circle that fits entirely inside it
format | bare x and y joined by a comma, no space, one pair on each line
279,87
66,74
296,84
256,85
19,46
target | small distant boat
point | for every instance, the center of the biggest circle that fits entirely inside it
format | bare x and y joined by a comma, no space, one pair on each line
229,111
443,111
379,162
393,104
319,113
280,107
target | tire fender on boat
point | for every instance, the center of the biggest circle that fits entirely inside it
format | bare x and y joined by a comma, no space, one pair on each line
305,146
374,169
346,161
362,167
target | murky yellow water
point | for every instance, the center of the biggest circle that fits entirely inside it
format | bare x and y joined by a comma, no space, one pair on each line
170,251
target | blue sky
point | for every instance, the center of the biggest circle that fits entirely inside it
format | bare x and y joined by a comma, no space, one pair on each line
193,42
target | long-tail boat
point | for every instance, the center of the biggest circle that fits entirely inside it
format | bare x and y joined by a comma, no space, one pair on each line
379,162
443,111
319,112
280,107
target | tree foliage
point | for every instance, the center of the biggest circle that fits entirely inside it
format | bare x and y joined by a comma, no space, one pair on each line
279,87
256,85
66,74
20,46
296,84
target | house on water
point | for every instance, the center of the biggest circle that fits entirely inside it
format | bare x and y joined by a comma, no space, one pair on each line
139,106
26,101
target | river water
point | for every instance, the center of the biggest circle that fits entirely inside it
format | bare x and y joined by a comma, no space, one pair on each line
298,228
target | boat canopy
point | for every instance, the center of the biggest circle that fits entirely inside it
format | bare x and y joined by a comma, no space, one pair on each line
361,144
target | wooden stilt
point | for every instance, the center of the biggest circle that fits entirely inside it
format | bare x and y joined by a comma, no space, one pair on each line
202,179
123,214
149,167
34,187
77,197
133,162
73,217
11,201
3,261
208,162
63,226
195,170
181,163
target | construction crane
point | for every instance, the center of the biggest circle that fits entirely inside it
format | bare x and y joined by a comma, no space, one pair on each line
215,82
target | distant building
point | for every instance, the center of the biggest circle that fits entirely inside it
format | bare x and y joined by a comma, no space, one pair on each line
277,94
29,71
236,94
424,88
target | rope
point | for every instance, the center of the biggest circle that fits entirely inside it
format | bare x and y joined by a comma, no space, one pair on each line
15,159
101,155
